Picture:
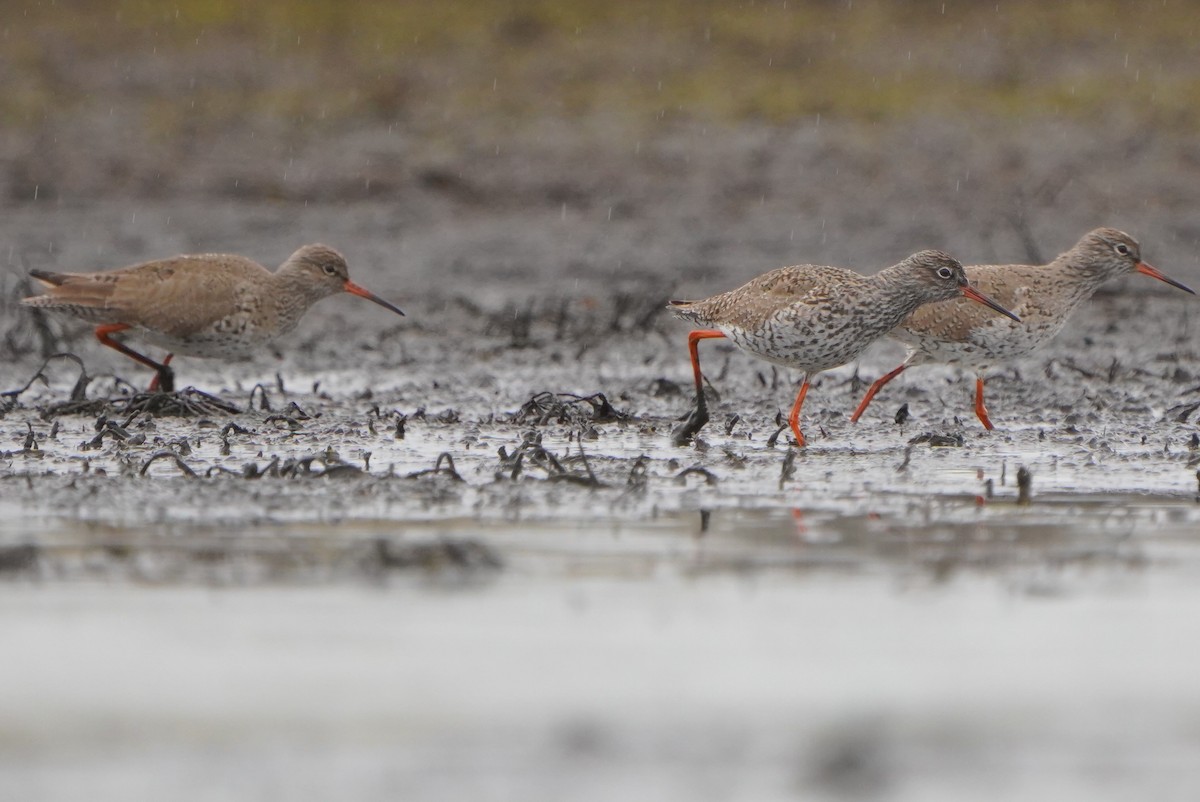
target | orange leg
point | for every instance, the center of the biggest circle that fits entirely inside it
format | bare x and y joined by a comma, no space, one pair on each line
980,409
694,339
165,377
875,388
794,418
698,416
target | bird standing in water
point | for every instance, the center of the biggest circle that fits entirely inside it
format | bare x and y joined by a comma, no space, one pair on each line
815,318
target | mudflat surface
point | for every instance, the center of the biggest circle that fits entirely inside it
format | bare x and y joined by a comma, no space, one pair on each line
573,606
454,555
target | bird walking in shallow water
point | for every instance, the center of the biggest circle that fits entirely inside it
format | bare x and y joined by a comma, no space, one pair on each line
815,318
218,306
957,333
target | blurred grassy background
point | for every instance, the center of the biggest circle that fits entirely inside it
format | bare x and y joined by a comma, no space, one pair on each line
595,145
181,68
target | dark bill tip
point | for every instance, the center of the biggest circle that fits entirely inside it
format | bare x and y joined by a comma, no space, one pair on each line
354,289
976,295
1153,272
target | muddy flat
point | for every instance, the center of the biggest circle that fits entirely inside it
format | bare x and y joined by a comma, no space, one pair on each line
456,555
415,563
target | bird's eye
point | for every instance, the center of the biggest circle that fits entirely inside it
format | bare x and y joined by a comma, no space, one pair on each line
1122,248
945,272
330,270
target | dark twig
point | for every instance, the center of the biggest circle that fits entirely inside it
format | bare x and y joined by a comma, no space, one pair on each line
1070,364
586,465
437,468
186,403
1024,485
543,407
299,414
637,479
709,477
783,426
263,403
171,455
77,392
935,440
1184,411
788,469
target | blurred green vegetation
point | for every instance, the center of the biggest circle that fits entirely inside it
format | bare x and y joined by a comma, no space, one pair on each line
436,65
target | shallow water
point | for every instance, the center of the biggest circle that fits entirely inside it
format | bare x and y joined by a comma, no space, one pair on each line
769,657
925,651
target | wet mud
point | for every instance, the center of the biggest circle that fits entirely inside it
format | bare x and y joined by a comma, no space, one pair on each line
550,418
458,555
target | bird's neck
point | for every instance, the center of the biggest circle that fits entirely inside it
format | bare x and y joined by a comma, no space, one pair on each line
1083,276
893,297
293,295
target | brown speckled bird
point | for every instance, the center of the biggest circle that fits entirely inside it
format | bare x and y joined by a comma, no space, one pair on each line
210,305
815,318
957,333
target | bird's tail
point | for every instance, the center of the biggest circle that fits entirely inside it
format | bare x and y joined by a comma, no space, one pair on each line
67,289
49,278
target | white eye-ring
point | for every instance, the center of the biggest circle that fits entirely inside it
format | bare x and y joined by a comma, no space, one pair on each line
945,272
1122,248
330,270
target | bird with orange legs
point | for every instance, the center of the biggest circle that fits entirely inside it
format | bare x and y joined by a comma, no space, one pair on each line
816,318
957,333
217,306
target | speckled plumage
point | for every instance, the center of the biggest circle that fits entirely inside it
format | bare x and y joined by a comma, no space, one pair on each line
815,318
958,333
206,305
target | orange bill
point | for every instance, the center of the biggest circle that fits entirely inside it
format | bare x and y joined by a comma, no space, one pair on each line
976,295
1152,272
354,289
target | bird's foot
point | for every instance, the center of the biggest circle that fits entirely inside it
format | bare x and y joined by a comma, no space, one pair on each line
682,434
164,379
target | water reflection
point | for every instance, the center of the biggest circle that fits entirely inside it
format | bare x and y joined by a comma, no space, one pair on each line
935,537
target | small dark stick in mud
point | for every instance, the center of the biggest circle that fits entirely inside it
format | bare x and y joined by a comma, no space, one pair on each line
781,425
171,455
216,306
788,469
437,469
1024,485
815,318
263,403
8,398
637,479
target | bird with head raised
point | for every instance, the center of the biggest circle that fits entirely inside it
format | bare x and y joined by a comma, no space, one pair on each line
217,306
957,333
814,318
